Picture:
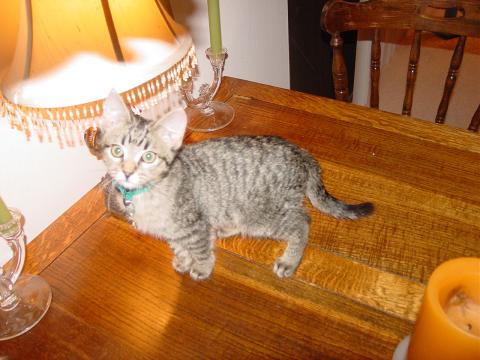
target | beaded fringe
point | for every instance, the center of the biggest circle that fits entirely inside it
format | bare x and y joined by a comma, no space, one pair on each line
66,125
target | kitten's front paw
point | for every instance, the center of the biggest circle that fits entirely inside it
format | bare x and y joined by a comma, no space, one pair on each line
182,264
202,270
284,268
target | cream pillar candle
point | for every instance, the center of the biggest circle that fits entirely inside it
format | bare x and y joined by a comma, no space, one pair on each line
447,324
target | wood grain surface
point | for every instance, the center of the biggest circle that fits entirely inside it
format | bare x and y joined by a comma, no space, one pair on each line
356,293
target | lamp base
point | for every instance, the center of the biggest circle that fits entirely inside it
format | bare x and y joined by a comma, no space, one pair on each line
216,116
32,298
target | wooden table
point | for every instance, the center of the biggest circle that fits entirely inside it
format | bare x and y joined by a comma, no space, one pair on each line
356,293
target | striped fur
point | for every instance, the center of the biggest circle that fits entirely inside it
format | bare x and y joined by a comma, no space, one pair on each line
242,185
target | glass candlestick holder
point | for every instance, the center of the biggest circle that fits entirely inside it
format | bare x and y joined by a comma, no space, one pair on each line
24,299
204,114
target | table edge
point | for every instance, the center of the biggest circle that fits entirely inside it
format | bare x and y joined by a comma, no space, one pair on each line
64,231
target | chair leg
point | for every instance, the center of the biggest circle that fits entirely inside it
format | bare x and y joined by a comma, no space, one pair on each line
475,123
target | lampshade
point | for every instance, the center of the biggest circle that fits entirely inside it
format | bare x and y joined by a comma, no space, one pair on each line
71,54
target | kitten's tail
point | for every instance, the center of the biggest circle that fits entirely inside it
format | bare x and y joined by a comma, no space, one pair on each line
325,202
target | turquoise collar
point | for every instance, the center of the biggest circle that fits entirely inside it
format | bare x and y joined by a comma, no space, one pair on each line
129,194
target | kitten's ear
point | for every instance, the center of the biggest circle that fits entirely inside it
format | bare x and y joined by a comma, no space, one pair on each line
114,110
172,128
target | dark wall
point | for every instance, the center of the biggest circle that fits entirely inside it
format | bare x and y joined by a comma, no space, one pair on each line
310,51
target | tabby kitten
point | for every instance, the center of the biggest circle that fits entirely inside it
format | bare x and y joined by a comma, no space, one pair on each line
191,195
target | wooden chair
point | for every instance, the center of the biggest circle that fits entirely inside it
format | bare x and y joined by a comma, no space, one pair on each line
417,15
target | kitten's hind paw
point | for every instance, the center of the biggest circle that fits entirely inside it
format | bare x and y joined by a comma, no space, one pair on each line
200,274
203,270
284,268
182,264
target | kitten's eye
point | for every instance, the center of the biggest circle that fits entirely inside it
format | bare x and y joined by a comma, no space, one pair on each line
149,157
117,151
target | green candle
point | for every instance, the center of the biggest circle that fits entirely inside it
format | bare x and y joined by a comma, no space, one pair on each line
214,24
5,215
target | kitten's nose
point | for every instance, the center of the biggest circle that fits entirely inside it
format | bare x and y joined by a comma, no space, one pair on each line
127,174
128,168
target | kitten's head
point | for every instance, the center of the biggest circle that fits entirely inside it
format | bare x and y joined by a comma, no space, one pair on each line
135,150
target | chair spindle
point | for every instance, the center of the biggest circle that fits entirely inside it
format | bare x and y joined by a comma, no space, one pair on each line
412,73
455,63
475,123
339,69
375,70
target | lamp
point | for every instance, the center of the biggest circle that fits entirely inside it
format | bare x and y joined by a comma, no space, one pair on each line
70,54
68,57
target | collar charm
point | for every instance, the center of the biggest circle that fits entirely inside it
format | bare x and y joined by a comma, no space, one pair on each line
127,196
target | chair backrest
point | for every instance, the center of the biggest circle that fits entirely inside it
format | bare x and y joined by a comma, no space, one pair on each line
417,15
